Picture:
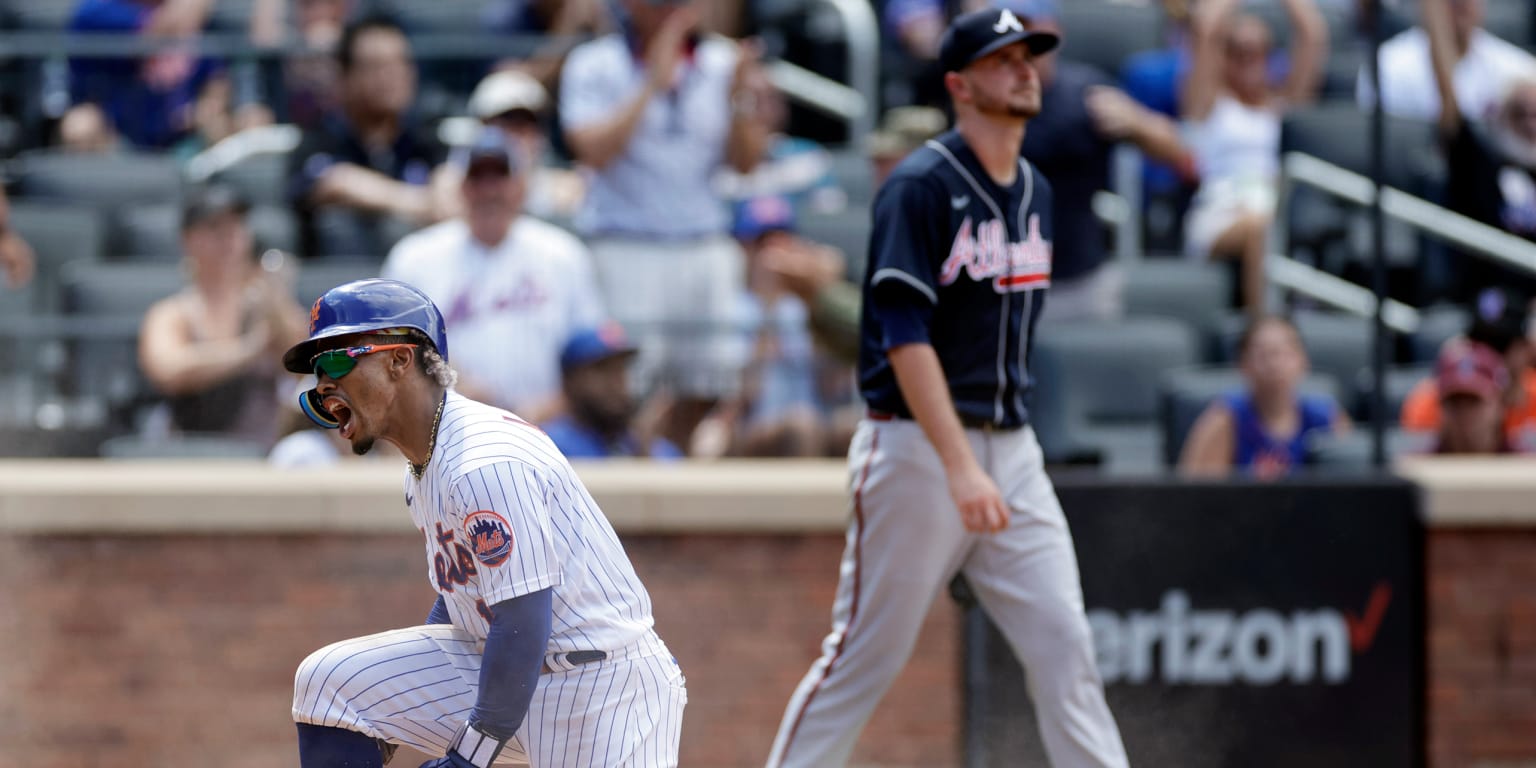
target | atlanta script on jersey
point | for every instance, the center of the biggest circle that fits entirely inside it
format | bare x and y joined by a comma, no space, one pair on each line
980,255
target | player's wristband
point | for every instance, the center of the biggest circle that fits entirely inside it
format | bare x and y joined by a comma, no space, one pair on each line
476,746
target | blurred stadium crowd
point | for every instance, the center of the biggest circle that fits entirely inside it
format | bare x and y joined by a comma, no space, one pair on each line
646,236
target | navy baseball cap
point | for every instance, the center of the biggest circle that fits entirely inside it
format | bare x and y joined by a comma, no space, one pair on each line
760,215
979,33
595,344
492,146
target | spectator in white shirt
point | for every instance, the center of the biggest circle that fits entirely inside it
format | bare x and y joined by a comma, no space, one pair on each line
653,113
511,287
1485,68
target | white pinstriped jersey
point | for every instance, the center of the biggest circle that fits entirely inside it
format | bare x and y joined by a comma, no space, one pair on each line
511,307
504,515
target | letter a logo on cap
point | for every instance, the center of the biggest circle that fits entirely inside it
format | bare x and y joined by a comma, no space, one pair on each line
1007,22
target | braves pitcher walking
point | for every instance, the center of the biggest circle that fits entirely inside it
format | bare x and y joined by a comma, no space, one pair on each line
540,648
946,474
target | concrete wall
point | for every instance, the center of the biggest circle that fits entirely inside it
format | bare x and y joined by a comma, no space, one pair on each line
152,615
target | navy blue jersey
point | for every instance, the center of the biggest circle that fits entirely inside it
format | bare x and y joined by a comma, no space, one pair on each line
975,260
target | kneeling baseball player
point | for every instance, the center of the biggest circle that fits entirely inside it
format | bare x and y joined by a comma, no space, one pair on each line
540,648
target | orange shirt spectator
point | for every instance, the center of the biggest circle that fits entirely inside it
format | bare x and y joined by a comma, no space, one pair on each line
1500,322
1421,411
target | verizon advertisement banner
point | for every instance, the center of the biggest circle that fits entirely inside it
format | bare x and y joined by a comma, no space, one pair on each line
1235,625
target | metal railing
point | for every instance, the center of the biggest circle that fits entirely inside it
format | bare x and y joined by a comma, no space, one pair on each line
861,28
1472,236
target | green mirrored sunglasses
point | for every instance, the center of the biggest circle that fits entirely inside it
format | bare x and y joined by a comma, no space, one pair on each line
337,363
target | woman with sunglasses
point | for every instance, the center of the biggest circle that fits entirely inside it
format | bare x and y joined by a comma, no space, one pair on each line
1232,111
210,348
541,647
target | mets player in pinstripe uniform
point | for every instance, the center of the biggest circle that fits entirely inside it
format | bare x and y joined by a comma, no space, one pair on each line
947,476
540,648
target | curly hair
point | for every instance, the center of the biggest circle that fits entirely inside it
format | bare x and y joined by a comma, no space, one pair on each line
437,368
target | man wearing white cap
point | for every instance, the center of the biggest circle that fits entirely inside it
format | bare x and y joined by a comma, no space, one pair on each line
514,102
514,287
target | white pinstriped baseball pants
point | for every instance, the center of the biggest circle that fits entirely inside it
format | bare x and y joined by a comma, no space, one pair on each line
414,686
905,543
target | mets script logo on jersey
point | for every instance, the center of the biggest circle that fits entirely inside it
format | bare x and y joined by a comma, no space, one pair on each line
986,254
489,536
528,294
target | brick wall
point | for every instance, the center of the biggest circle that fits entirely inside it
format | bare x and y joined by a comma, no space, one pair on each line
179,651
1482,647
166,650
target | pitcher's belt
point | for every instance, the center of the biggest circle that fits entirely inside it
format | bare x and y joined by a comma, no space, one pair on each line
969,422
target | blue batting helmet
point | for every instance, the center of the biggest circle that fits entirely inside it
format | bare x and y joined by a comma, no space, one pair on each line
367,306
364,306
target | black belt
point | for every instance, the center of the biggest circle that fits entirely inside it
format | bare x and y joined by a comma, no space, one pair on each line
575,658
966,420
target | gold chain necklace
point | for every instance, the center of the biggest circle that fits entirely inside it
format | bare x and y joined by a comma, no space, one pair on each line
431,442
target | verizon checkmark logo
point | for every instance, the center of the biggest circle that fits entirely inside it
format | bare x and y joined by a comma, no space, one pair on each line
1363,627
1180,644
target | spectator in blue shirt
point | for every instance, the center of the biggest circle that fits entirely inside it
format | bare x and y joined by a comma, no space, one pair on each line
600,411
1262,430
149,100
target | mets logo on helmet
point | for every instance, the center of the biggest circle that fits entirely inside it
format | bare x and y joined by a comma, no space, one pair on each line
489,536
314,314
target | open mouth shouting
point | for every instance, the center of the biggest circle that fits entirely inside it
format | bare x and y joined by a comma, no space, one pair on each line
342,413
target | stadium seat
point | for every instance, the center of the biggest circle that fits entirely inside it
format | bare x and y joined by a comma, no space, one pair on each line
1400,380
846,230
261,178
1185,392
1340,133
315,279
1437,325
1103,33
1338,345
855,175
115,297
1097,387
1196,293
104,181
17,354
59,234
274,226
147,233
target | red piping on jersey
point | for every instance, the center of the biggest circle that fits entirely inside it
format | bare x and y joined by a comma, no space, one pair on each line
853,611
